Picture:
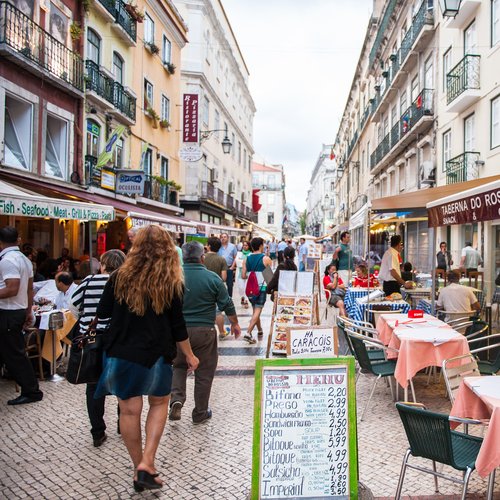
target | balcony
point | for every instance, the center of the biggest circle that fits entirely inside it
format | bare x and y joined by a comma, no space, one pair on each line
211,193
109,94
463,84
464,16
124,24
156,190
416,119
33,48
462,168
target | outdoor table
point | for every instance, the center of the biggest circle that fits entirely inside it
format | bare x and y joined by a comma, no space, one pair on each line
479,398
414,294
352,294
425,305
359,308
421,342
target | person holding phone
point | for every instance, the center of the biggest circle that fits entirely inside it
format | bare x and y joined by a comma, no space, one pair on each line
334,284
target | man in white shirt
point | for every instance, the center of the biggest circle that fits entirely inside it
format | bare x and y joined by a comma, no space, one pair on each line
66,287
390,268
471,258
456,297
16,297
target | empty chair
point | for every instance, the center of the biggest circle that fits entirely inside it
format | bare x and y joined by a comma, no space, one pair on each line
373,312
33,348
476,279
455,369
487,352
363,328
430,436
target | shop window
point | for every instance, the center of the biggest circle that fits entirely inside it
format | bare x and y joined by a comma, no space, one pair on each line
56,148
93,138
18,133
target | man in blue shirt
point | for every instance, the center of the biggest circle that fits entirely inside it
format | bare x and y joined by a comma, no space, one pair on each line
281,248
302,255
228,251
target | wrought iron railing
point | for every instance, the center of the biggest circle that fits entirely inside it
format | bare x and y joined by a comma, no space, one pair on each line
96,81
110,6
462,168
124,101
464,76
125,20
155,190
20,33
381,33
92,173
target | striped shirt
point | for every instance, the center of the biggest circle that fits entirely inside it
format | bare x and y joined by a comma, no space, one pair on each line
85,300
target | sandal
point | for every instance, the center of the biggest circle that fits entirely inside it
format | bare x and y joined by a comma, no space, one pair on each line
147,481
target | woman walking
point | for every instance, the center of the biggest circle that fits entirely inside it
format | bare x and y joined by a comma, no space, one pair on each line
144,301
256,262
240,257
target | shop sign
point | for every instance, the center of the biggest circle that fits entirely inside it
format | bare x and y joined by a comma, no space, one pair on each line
190,118
54,210
108,178
130,182
479,207
169,226
311,342
190,153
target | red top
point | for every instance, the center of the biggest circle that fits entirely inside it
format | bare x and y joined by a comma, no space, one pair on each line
362,281
327,280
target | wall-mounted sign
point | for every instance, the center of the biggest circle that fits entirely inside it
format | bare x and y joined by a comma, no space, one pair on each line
190,153
108,178
130,182
190,118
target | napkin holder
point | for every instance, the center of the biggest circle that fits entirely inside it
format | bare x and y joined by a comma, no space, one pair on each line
415,313
56,320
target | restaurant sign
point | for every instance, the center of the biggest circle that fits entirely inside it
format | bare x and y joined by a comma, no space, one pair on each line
169,226
129,182
479,207
190,118
55,209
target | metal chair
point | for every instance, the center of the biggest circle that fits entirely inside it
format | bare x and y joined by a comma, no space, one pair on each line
430,436
455,369
33,348
489,364
373,312
363,328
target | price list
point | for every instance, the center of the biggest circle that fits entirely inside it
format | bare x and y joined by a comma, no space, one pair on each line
304,449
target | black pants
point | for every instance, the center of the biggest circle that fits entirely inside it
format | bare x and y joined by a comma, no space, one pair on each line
280,257
13,354
229,281
391,287
95,409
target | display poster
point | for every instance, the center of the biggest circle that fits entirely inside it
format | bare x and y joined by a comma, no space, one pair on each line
313,342
305,283
305,430
314,251
286,283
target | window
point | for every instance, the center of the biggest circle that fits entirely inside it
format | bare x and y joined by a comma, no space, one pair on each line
149,29
429,73
495,122
93,138
394,115
93,46
470,39
147,165
446,148
271,179
270,217
207,45
56,147
118,153
167,50
148,95
233,143
403,103
495,22
271,198
205,110
469,133
18,133
165,108
164,167
239,153
216,123
446,66
414,88
255,179
118,67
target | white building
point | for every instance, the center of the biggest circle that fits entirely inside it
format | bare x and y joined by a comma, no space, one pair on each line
270,180
217,188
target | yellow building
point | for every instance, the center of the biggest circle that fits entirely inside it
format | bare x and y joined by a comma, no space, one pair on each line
155,138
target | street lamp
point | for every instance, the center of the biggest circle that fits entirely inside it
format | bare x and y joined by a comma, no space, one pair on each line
226,143
450,8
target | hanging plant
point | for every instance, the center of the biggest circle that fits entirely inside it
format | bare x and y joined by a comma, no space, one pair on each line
75,31
170,67
152,114
152,47
134,12
164,124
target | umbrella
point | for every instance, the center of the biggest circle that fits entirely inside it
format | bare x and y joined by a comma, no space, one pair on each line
306,237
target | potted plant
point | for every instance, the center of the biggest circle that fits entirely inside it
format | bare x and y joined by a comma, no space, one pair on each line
170,67
153,115
75,31
26,51
160,180
377,88
134,11
385,74
393,57
152,47
164,124
174,186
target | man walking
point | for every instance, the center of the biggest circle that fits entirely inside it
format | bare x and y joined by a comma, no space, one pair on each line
471,258
273,251
302,255
390,269
204,290
342,257
281,248
228,251
16,297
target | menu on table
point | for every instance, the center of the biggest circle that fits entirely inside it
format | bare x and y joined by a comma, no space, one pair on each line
306,433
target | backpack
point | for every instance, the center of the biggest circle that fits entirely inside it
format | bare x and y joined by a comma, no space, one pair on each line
252,288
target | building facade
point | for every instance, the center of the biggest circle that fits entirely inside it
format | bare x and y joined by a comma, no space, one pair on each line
270,181
217,188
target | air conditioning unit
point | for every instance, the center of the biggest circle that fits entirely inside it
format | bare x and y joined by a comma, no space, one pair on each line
214,175
230,188
427,173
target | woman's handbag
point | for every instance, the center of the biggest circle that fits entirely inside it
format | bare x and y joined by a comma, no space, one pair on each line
85,358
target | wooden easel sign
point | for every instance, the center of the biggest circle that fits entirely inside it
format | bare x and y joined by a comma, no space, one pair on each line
312,342
304,435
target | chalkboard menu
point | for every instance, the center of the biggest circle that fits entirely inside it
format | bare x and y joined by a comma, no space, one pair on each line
305,429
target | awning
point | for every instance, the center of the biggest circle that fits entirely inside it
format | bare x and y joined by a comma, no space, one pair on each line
420,199
173,224
19,202
359,218
481,203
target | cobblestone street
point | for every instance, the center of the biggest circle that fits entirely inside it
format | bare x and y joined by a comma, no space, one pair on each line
46,449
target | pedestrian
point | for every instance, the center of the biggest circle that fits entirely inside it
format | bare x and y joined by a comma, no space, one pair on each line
203,292
256,262
217,264
302,255
342,257
273,251
281,248
471,258
228,251
288,264
16,299
144,301
240,257
333,282
444,260
390,269
83,304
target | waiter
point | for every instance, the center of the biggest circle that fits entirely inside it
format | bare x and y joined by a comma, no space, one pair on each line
16,297
390,269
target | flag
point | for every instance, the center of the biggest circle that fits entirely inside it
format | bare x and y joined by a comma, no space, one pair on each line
256,205
107,153
419,101
145,146
332,154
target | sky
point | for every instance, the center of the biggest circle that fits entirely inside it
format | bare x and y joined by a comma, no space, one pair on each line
301,55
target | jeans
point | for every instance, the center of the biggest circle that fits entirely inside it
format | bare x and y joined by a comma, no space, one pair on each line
302,266
229,281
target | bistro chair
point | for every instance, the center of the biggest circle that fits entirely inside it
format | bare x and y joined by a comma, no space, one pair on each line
366,366
363,328
476,276
373,312
328,305
441,274
430,436
455,369
33,348
487,351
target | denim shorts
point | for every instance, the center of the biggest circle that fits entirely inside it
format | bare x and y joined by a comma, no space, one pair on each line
260,300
